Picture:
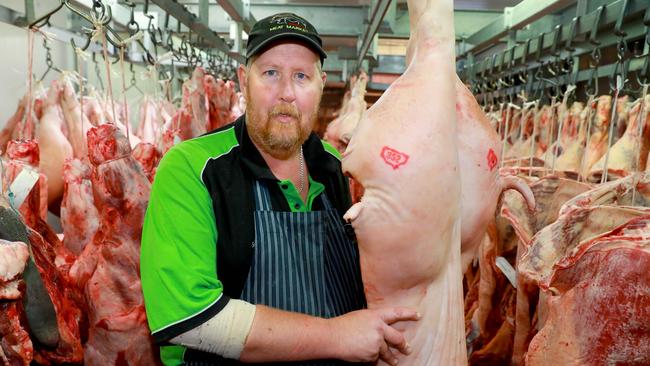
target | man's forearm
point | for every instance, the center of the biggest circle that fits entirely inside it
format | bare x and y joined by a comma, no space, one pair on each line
278,335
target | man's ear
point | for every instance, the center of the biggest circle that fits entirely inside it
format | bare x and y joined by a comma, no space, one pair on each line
323,77
242,76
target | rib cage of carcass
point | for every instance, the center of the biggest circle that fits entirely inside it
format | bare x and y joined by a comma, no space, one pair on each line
74,297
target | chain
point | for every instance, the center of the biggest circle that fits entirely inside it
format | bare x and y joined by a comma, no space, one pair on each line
301,174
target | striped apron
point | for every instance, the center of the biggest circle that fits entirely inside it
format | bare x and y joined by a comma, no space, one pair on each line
303,262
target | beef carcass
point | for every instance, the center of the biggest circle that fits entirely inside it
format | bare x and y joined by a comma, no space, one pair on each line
13,258
599,311
54,147
108,268
545,126
8,129
597,142
582,218
93,110
53,261
24,155
16,347
147,129
629,153
220,96
558,239
550,193
402,142
197,103
237,105
76,121
117,114
355,108
571,157
332,133
632,190
148,157
521,147
50,305
79,216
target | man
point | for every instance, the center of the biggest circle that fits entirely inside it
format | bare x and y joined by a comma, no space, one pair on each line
282,282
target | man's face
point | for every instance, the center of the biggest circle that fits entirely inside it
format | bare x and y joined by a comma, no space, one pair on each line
283,88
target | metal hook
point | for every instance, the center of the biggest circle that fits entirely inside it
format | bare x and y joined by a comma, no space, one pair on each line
526,50
618,28
85,46
572,34
45,19
556,39
592,88
540,46
594,27
48,60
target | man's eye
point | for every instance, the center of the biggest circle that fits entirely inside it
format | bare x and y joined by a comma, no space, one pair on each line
301,76
271,72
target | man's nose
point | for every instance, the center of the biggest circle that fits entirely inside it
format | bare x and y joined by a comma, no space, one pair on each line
287,91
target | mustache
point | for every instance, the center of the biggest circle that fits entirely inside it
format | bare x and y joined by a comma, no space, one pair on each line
285,109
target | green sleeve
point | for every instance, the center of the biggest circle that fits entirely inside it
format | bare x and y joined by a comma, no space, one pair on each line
178,253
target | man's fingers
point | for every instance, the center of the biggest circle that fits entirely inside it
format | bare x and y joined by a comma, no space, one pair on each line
387,355
396,339
392,315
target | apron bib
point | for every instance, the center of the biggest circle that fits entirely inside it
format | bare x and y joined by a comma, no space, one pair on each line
303,262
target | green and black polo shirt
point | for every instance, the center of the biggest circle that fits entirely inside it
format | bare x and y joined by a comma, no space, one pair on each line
199,227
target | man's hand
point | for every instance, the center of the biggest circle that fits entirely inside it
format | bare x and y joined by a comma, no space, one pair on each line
367,335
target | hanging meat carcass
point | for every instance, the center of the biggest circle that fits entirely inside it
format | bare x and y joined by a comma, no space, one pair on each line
355,108
221,98
79,216
197,103
521,147
147,155
551,193
396,150
13,258
597,142
629,153
16,347
24,158
54,146
147,128
332,133
76,121
13,121
599,311
340,131
481,182
53,261
571,157
108,268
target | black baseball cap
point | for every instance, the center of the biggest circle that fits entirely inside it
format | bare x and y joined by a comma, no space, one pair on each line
280,26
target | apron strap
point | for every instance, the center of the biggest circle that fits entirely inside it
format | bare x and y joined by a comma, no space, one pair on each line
262,196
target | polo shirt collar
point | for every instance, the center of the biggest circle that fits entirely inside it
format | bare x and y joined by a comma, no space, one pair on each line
319,162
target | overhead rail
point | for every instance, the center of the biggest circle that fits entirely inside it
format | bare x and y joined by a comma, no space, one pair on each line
191,21
550,61
513,18
377,15
239,11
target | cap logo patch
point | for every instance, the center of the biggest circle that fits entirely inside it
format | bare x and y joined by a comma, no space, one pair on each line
291,22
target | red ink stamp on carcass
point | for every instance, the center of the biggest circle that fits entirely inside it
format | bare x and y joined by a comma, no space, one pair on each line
393,157
492,159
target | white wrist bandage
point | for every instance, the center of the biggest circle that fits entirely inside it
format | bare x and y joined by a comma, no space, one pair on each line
224,334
